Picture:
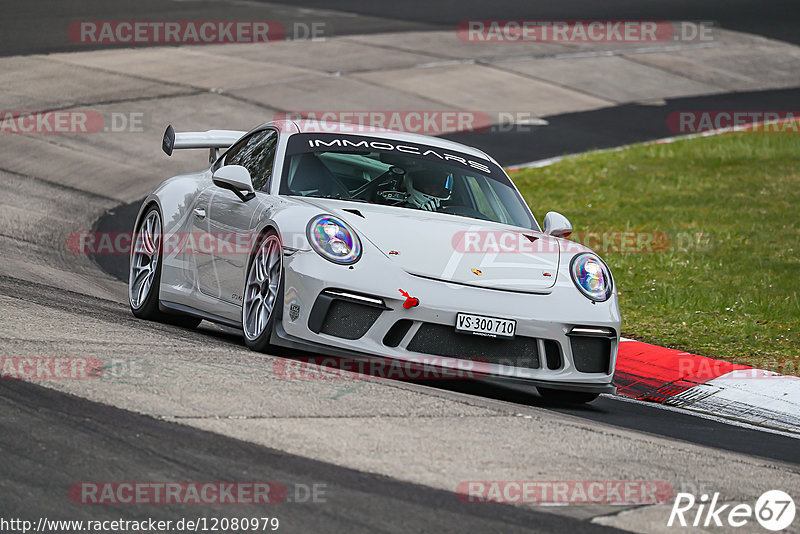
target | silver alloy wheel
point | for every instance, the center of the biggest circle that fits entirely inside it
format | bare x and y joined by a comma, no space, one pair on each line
261,290
144,260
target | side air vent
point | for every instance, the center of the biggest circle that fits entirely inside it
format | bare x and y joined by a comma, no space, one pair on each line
591,354
344,314
591,348
397,332
349,320
552,353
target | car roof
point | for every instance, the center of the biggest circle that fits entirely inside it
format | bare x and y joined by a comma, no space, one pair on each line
313,126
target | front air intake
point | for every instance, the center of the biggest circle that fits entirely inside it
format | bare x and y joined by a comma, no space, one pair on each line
591,354
344,314
348,320
552,354
442,340
397,332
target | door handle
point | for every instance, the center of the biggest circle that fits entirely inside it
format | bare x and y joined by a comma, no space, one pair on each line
200,213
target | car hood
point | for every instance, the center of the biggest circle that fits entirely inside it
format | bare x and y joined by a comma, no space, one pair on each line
454,249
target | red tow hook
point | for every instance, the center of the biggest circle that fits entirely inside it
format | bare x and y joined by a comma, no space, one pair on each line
410,301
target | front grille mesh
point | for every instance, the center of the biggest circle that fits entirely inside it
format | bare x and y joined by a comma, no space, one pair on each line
591,354
442,340
349,320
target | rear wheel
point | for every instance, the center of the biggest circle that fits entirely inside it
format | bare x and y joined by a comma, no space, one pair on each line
560,396
145,273
261,290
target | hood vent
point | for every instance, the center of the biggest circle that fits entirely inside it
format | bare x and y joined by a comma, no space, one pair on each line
354,212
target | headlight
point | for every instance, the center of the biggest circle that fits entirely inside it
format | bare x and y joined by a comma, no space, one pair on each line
333,239
591,276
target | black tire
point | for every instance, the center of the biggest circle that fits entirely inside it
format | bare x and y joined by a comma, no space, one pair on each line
260,343
148,309
561,396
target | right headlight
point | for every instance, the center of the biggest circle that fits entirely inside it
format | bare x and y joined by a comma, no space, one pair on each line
591,276
333,239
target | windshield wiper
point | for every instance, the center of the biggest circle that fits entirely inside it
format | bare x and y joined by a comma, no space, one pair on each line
351,199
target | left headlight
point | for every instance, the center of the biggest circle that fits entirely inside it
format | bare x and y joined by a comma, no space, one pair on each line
591,277
333,239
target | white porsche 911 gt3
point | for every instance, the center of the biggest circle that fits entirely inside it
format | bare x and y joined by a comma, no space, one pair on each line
361,242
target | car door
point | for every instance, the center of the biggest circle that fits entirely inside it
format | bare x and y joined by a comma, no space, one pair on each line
231,221
197,248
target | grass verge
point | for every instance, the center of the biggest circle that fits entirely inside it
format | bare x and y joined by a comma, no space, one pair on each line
702,235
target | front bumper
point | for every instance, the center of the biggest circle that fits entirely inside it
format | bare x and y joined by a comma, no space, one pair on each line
542,320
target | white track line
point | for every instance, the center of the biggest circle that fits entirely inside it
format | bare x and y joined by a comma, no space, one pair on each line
704,415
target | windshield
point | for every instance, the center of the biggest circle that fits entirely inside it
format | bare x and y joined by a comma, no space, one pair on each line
401,174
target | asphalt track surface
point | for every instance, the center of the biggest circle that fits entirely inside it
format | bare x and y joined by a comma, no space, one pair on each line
37,26
50,439
73,433
774,19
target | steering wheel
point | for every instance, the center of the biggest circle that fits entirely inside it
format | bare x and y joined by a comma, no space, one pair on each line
392,172
464,211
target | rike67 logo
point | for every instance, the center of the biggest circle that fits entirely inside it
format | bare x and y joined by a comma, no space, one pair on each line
774,510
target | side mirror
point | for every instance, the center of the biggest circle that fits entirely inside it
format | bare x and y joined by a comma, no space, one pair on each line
557,225
235,178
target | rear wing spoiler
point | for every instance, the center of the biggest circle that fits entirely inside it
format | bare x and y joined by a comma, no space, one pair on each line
211,139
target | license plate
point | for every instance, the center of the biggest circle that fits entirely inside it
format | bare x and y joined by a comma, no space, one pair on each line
485,326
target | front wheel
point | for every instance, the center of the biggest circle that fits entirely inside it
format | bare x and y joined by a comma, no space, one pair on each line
261,290
560,396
